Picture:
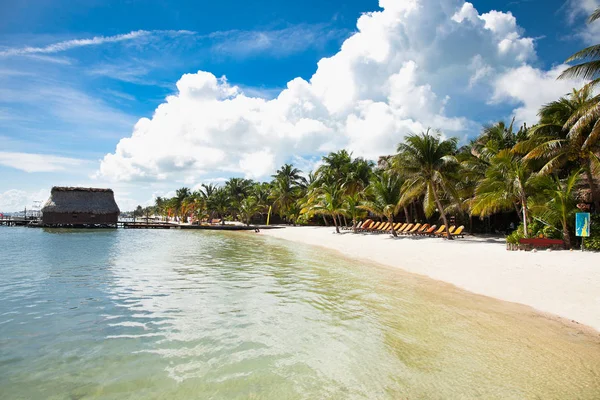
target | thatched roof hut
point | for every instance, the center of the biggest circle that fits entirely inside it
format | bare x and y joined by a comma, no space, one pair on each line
80,206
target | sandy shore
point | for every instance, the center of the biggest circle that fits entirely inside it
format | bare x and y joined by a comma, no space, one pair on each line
565,283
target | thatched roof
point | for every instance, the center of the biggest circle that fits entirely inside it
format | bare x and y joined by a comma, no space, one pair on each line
81,200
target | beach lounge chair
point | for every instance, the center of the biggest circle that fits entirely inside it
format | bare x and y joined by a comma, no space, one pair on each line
422,229
384,228
428,231
406,228
373,227
442,229
365,225
398,226
459,232
443,233
412,230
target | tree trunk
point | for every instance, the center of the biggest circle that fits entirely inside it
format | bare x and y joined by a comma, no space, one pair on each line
406,215
518,212
325,219
391,221
337,228
345,222
354,224
470,224
566,235
443,214
524,209
592,185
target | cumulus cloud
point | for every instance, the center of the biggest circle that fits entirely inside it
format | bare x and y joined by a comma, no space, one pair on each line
30,162
397,74
579,9
516,86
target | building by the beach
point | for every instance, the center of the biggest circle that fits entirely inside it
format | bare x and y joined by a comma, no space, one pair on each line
77,206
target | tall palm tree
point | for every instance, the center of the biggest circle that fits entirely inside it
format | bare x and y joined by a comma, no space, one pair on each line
427,161
352,204
237,189
331,202
383,196
508,184
287,187
248,208
589,66
220,203
560,210
567,137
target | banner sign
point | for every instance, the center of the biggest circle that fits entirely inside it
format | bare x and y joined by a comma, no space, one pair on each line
582,224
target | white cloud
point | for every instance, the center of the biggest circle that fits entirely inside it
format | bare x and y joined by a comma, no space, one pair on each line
277,42
531,88
74,43
16,200
397,74
580,9
29,162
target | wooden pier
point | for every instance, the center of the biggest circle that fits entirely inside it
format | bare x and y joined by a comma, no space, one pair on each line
37,223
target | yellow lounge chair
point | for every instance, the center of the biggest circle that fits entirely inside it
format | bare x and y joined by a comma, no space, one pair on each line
385,227
398,226
443,233
422,229
373,227
413,229
442,229
407,228
459,232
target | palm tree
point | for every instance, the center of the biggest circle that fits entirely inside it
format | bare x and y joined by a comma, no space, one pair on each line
248,208
330,203
358,176
427,161
220,203
292,174
287,188
238,189
352,204
562,207
567,137
508,184
589,67
383,196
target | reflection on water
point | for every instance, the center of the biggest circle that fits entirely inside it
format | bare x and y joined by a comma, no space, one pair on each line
188,314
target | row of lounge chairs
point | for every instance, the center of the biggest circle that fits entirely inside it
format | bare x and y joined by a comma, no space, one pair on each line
403,228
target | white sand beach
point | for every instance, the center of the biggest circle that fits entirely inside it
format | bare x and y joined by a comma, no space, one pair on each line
564,283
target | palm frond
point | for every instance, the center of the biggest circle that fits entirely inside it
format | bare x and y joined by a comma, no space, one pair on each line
586,71
591,52
595,16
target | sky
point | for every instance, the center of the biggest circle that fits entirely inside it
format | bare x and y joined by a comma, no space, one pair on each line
148,96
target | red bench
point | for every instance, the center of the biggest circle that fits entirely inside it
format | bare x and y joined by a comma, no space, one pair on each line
542,242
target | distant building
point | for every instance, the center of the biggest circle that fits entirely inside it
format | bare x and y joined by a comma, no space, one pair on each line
76,206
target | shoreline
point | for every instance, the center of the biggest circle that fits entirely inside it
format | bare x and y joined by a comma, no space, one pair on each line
560,283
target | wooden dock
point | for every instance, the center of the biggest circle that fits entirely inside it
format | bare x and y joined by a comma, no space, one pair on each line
37,223
17,221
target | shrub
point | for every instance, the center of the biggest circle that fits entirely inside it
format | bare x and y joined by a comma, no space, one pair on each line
593,242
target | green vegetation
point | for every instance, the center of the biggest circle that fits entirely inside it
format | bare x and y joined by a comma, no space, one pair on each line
540,176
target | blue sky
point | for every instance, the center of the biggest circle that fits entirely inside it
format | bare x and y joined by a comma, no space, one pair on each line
76,76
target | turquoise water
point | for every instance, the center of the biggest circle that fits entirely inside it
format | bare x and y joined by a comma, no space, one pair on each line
133,314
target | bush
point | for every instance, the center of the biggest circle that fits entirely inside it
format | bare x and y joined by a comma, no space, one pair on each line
593,242
535,229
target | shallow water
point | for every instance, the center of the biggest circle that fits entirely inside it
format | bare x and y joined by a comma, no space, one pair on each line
193,314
